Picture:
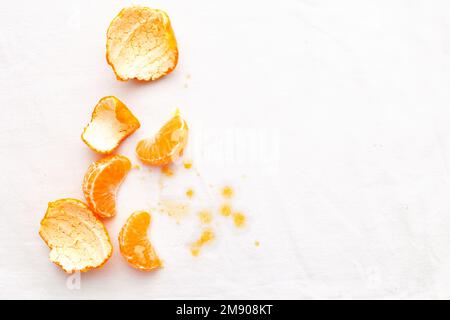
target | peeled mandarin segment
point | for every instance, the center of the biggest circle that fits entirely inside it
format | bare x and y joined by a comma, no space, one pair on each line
141,44
134,244
101,183
77,239
110,124
168,144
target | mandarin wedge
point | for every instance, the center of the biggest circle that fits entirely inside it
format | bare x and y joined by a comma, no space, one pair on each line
141,44
168,144
101,183
134,244
110,124
77,239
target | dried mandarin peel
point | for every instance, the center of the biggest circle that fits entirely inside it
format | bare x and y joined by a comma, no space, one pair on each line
111,123
77,239
168,144
134,244
141,44
101,184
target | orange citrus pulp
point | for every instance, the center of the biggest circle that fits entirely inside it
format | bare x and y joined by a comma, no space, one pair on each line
102,181
168,144
134,244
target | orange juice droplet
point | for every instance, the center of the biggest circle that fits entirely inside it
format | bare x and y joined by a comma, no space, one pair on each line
225,210
239,219
173,209
190,193
167,171
187,164
205,217
227,192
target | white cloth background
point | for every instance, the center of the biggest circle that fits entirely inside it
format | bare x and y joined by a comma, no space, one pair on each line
330,118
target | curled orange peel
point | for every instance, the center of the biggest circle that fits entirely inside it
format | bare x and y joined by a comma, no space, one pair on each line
168,144
134,244
111,123
141,44
101,184
78,240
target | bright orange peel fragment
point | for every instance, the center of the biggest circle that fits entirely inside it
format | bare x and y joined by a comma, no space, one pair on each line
110,124
141,44
77,239
134,244
102,181
168,144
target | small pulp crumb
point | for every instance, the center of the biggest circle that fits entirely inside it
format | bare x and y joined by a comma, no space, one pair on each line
225,210
190,193
206,236
136,166
239,219
195,251
227,192
257,244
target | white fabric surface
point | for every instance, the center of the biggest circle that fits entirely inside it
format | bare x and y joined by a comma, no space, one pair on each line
331,119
